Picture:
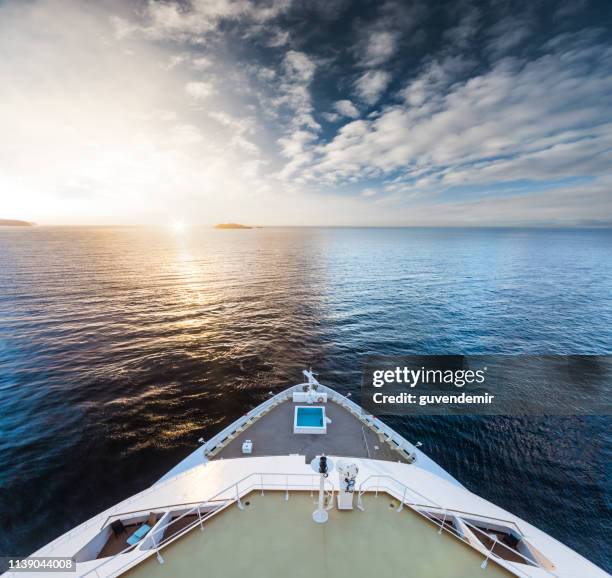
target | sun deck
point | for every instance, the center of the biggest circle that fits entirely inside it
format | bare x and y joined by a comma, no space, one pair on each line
272,435
277,537
116,543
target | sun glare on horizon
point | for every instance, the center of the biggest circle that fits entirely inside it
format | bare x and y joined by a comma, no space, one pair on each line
178,226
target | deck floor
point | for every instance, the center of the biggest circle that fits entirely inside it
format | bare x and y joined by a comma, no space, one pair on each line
272,435
177,524
273,538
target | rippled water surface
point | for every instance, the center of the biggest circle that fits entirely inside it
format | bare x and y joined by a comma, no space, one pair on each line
120,347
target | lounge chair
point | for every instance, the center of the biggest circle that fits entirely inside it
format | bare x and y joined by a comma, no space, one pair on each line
118,528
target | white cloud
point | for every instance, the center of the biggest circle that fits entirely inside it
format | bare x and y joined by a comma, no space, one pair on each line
175,60
199,90
371,85
239,142
239,125
266,73
277,38
538,120
331,116
431,84
194,22
201,62
296,142
380,47
346,108
301,128
294,89
298,66
147,129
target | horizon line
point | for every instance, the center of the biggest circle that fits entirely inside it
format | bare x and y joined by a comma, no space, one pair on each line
32,224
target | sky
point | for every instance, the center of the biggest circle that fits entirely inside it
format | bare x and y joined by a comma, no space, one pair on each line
327,112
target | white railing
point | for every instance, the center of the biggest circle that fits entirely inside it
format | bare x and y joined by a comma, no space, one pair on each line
222,436
242,421
423,506
100,518
238,425
229,495
207,447
219,438
401,442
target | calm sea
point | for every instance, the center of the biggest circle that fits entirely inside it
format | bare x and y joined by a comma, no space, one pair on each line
120,347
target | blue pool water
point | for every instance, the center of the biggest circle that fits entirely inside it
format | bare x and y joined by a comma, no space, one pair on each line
310,416
120,347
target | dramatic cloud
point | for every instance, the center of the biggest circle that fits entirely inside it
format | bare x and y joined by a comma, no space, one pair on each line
278,112
194,22
542,121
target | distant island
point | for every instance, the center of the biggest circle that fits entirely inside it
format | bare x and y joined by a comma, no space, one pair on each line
232,226
14,223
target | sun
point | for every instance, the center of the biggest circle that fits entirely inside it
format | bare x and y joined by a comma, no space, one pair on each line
178,226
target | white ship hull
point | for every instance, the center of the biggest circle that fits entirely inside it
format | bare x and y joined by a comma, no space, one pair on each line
216,480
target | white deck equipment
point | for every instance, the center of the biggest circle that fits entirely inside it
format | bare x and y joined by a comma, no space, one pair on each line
347,474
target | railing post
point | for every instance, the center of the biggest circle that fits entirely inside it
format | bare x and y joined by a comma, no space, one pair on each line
377,485
200,517
401,506
486,560
261,480
238,500
311,485
359,500
443,522
287,488
159,556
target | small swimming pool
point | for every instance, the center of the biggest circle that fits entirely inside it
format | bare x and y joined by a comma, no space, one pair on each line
309,420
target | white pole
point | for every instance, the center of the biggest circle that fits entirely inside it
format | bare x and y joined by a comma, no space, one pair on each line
320,515
443,522
323,466
486,560
238,499
401,506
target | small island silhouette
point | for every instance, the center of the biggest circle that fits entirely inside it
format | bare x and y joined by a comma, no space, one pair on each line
232,226
14,223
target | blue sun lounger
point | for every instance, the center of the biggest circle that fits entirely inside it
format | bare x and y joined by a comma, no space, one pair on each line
138,534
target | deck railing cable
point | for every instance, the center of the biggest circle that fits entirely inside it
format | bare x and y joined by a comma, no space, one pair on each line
234,492
373,484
